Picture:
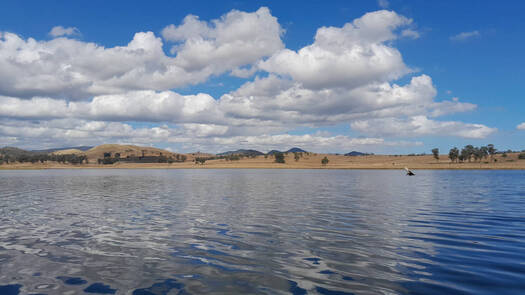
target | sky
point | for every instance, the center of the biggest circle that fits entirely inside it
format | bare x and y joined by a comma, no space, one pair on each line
388,76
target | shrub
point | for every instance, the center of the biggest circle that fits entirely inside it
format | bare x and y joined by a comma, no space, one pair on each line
521,156
279,158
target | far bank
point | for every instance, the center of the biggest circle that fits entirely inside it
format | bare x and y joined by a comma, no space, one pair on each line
307,161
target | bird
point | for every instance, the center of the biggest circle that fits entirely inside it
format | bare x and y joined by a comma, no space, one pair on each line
409,173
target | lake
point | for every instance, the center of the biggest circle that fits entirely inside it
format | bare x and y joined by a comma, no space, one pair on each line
112,231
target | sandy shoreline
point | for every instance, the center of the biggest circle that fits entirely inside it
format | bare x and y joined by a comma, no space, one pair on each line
312,161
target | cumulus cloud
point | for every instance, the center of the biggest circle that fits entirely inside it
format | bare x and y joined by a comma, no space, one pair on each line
282,100
421,126
355,55
74,69
59,31
465,36
521,126
51,133
79,70
68,91
237,38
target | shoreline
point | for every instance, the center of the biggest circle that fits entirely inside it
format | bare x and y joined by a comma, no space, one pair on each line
211,167
311,161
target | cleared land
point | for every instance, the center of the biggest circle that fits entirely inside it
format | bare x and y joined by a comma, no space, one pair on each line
307,161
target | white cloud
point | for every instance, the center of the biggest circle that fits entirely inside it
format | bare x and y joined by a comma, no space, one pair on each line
265,104
409,33
284,101
450,107
237,38
465,36
312,142
521,126
349,57
65,132
59,31
74,69
69,91
420,126
78,70
383,3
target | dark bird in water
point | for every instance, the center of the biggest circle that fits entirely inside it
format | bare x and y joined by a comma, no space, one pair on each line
409,173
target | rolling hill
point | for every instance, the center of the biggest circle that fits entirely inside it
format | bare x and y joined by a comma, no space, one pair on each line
242,152
296,150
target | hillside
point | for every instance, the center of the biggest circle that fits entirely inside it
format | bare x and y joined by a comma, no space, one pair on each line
242,152
68,152
355,154
54,150
125,150
296,150
272,152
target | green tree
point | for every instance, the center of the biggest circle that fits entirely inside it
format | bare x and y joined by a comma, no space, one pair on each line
477,154
435,152
492,151
296,156
453,154
324,161
467,152
484,152
279,157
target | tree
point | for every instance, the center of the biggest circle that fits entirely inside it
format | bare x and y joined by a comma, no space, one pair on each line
200,160
279,158
324,161
477,154
453,154
296,156
468,151
484,152
492,151
435,152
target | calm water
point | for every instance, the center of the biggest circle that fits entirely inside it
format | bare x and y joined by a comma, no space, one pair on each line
261,232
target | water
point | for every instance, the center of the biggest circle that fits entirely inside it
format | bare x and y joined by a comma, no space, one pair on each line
261,232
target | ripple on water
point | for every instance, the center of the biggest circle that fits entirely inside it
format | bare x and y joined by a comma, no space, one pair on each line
261,232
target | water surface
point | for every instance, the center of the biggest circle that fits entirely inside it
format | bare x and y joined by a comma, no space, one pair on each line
112,231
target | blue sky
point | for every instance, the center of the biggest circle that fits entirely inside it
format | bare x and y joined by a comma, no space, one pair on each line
468,55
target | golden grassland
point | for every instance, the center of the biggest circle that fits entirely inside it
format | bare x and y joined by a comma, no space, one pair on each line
307,161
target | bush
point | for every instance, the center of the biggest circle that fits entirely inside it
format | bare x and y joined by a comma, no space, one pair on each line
279,158
324,161
521,156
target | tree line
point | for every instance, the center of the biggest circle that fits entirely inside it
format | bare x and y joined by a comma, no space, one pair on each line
469,153
42,158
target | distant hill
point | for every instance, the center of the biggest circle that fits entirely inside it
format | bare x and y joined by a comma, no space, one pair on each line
125,150
242,152
13,151
81,148
68,152
296,150
273,152
354,154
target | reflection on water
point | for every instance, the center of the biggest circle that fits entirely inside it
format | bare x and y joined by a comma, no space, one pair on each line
261,232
